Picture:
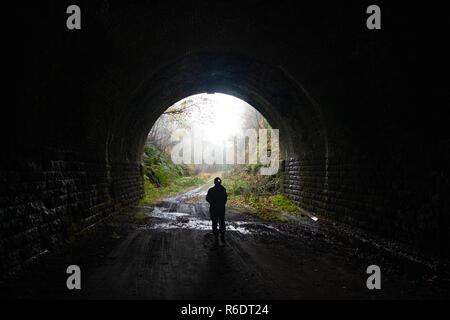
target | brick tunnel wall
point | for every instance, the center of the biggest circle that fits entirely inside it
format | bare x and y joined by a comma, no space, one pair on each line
343,192
373,195
96,89
46,201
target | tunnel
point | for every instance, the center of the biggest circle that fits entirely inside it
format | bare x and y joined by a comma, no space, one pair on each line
363,139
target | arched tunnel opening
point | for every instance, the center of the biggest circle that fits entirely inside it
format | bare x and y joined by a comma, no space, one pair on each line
205,137
362,164
207,132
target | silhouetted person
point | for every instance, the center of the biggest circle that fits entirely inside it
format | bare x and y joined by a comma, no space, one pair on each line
217,197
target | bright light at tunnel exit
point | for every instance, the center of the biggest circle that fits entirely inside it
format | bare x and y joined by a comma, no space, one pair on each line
225,117
213,128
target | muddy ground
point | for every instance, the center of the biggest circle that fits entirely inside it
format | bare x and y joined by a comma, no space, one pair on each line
172,255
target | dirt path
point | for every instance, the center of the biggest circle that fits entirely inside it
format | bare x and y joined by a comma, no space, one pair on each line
173,257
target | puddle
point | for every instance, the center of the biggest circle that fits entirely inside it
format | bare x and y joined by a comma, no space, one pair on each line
181,220
163,213
196,225
172,213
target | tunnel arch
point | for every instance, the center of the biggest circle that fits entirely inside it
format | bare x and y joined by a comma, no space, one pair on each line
267,88
349,100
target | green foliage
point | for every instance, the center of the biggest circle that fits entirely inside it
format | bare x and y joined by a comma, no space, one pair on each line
159,170
140,217
248,181
284,203
259,206
249,189
115,235
237,187
178,185
163,178
274,216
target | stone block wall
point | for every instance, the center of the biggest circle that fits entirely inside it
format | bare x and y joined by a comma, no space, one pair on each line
44,202
375,196
127,185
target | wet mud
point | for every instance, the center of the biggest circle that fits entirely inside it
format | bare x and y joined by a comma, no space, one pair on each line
173,256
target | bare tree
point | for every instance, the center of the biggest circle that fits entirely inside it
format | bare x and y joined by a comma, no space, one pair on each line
178,116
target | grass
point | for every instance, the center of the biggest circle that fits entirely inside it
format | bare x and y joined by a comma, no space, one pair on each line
115,235
163,178
258,206
140,217
249,190
285,204
125,216
154,194
267,207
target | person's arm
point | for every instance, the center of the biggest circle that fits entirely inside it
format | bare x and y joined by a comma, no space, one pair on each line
226,195
208,196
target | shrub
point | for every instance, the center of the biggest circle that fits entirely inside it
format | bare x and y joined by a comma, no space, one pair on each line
158,167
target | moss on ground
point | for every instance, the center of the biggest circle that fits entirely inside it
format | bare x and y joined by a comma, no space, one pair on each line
257,206
249,190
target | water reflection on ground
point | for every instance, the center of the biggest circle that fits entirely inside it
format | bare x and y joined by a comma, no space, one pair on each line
166,218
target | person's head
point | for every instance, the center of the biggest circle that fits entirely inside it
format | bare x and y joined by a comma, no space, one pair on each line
217,181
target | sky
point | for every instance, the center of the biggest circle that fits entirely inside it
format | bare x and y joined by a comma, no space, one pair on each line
224,113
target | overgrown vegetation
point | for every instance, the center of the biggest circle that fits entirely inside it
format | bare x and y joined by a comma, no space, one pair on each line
261,194
163,178
248,182
158,168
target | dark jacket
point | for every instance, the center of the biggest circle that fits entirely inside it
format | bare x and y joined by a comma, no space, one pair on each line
217,197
